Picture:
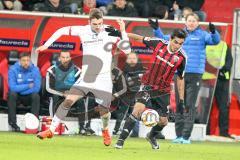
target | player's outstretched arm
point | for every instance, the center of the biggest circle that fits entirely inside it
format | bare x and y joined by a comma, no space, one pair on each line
41,48
69,30
124,43
135,37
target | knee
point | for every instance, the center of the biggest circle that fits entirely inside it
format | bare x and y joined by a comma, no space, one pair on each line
137,113
68,103
103,110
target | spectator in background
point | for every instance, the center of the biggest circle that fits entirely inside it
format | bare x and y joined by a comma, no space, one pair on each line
195,48
24,84
103,2
10,5
74,5
57,6
121,8
175,8
61,76
87,5
195,5
185,12
219,60
119,89
160,12
132,72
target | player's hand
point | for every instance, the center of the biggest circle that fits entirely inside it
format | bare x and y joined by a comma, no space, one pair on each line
41,48
212,28
181,106
153,23
31,85
121,25
113,32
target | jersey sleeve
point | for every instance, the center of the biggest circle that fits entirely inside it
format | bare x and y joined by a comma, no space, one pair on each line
151,42
69,30
181,68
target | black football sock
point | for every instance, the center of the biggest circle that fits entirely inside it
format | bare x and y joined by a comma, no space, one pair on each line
155,130
128,126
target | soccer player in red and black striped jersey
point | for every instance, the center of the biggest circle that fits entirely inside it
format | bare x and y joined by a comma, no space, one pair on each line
167,58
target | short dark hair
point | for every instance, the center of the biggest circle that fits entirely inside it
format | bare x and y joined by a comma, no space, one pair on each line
179,33
160,11
24,54
95,13
65,50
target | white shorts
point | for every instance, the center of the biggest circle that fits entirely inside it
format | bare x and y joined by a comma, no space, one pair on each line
101,89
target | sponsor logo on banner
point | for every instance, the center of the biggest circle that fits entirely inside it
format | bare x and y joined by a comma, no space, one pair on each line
142,50
14,42
62,45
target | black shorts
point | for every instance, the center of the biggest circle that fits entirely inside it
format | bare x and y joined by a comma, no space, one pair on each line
154,99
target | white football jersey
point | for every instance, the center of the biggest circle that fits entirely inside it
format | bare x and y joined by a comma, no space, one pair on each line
98,45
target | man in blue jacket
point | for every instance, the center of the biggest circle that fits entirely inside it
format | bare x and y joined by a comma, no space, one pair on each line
195,48
24,84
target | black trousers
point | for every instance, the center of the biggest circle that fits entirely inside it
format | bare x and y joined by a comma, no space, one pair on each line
222,98
184,121
14,99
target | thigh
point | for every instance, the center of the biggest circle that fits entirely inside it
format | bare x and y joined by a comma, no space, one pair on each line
74,94
192,87
160,104
222,93
25,100
103,98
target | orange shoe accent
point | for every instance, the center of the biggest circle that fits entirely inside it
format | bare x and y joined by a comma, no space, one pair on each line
45,134
106,137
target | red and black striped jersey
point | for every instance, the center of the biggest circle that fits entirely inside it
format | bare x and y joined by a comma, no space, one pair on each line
163,64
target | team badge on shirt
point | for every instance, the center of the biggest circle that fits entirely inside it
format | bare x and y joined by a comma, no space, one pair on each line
175,58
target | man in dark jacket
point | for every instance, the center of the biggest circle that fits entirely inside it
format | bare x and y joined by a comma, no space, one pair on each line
24,84
121,8
57,6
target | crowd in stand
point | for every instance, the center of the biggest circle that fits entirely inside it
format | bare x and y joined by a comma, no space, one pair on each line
162,9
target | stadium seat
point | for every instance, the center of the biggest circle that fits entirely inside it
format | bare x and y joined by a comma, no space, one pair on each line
13,56
54,58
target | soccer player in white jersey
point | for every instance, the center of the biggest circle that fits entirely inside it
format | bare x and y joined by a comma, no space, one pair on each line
97,43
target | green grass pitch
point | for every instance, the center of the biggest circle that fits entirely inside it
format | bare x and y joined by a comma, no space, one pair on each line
19,146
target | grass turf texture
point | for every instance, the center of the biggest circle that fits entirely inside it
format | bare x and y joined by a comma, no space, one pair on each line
19,146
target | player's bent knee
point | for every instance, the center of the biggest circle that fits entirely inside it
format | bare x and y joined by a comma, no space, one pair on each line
68,103
103,110
138,110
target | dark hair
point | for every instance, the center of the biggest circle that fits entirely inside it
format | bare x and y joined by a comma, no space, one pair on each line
65,50
160,11
95,13
179,33
24,54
